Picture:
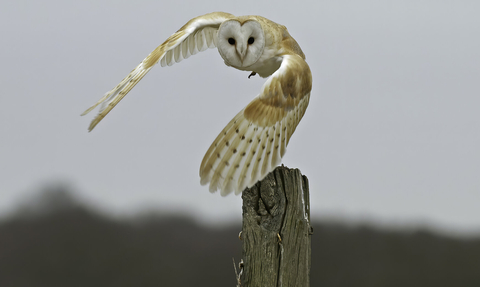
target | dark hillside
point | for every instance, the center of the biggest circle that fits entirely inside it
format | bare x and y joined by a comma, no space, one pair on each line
62,243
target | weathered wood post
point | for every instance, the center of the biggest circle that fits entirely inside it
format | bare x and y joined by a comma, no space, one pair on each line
276,231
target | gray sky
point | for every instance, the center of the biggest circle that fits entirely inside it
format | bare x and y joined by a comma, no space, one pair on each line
391,134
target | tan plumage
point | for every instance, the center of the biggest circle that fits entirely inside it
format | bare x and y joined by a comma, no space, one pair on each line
255,140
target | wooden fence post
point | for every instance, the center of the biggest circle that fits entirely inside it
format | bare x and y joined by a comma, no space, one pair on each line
276,231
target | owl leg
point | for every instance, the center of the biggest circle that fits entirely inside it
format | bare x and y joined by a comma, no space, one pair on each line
252,74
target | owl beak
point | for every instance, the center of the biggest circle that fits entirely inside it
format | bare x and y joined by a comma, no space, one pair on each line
241,50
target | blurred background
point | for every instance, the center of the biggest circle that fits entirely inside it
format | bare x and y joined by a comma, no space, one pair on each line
389,143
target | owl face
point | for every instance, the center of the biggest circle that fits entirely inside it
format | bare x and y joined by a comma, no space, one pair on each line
240,44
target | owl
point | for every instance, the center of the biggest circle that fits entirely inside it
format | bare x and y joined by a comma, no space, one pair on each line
253,143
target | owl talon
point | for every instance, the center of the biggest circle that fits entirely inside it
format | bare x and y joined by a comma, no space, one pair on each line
252,74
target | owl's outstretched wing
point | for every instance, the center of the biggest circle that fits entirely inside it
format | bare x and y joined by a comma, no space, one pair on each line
255,140
197,35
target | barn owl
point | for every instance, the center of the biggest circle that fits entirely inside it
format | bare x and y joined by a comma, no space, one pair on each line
255,140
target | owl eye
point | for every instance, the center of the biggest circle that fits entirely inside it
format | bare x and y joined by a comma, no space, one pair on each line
231,41
251,40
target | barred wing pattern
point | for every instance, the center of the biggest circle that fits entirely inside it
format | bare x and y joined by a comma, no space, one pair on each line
255,140
197,35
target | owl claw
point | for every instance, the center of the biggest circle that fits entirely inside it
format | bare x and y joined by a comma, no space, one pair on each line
252,74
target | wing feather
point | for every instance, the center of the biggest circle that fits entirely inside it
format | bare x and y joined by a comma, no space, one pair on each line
201,44
197,35
255,140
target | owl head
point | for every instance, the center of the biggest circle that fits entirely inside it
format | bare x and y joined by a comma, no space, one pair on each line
240,44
